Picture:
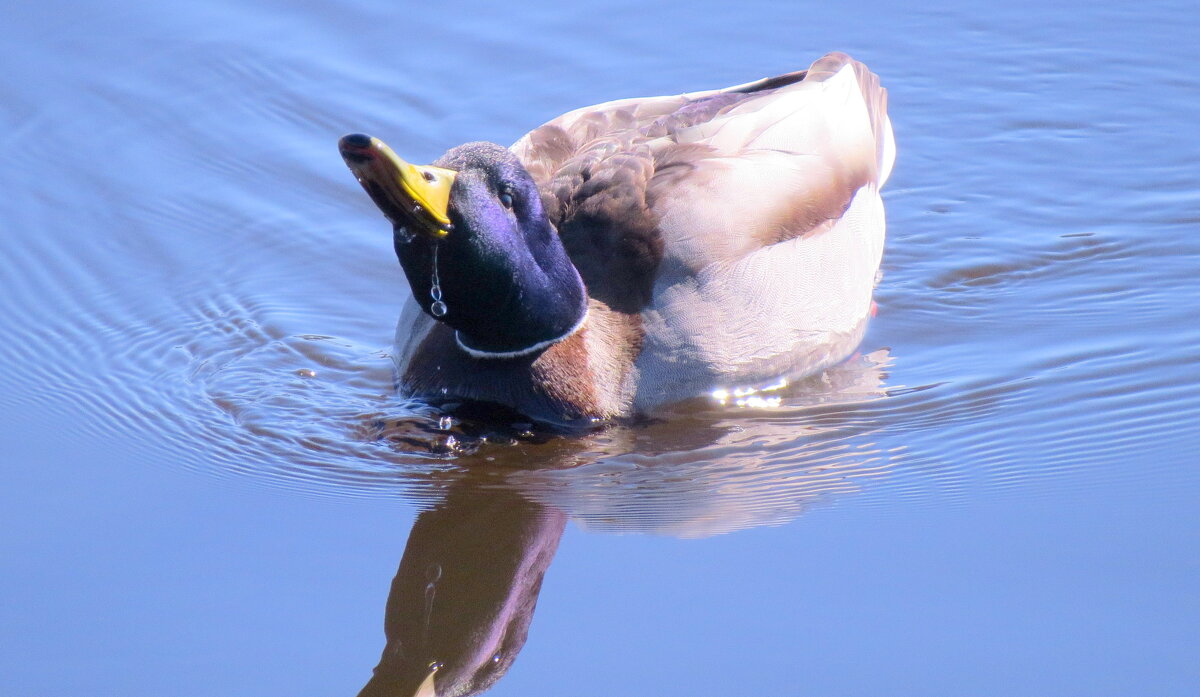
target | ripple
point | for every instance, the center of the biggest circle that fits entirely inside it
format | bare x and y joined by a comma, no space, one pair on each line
193,273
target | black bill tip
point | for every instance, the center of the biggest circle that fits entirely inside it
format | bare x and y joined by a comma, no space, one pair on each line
355,147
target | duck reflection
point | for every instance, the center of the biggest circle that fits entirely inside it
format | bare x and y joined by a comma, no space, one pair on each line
460,605
463,598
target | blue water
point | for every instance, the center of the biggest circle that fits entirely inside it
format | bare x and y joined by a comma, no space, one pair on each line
209,483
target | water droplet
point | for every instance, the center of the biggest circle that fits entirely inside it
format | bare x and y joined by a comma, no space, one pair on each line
438,309
403,234
445,423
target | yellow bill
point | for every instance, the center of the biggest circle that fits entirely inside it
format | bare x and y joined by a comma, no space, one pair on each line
407,194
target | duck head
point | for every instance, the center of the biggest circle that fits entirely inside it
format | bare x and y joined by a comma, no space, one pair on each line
475,245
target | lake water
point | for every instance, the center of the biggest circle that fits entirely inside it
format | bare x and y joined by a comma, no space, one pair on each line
209,484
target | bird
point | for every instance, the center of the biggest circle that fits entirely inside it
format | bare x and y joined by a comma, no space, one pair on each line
643,251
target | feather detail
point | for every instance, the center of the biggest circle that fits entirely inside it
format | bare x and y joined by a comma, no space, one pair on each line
725,237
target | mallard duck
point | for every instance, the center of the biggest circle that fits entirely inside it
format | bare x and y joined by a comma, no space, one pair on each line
642,251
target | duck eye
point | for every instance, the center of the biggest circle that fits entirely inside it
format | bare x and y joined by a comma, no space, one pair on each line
506,198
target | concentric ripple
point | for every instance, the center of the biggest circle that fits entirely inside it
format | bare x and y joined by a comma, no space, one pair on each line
190,272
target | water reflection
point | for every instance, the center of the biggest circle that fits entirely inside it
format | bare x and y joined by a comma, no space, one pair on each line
700,469
463,598
460,605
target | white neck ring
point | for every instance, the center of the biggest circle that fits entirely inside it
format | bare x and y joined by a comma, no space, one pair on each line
528,350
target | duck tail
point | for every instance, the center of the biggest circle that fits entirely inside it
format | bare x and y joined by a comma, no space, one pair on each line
875,98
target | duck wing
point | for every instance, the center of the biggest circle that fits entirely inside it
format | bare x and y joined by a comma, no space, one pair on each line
742,226
710,176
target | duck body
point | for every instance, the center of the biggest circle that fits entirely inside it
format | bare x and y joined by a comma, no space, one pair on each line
644,251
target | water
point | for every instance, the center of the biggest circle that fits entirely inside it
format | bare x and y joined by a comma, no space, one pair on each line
209,484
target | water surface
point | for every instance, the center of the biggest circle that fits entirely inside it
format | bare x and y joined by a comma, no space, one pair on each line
210,483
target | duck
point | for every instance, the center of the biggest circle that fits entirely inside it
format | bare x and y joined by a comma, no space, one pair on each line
643,251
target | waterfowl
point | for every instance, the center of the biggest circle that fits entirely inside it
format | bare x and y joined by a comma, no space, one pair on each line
642,251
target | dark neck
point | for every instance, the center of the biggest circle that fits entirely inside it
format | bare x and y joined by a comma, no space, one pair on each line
515,349
505,298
